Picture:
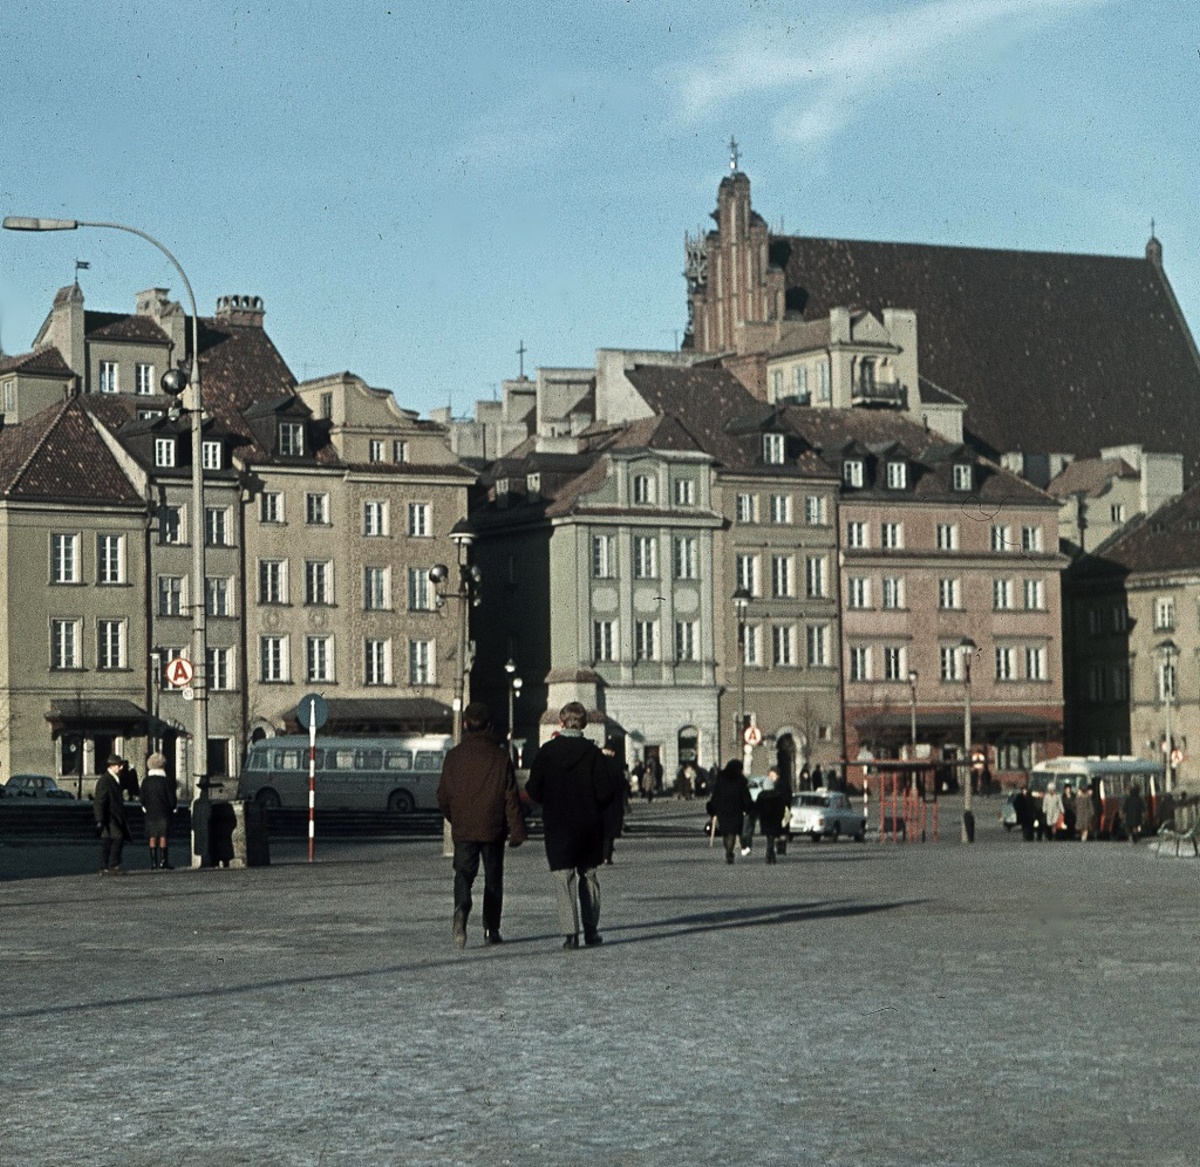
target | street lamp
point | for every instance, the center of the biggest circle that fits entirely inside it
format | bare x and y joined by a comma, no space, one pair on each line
514,691
967,647
1169,650
912,714
174,382
741,604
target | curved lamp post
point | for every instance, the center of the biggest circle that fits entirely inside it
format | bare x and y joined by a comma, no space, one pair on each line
741,604
174,382
967,647
1169,650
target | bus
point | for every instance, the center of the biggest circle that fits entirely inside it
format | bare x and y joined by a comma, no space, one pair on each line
1113,777
352,773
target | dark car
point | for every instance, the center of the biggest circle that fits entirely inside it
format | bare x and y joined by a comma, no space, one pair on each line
34,786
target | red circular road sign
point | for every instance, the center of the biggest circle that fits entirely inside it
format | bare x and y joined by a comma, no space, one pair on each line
179,672
753,735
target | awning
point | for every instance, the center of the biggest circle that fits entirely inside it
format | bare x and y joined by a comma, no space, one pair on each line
984,722
112,714
379,715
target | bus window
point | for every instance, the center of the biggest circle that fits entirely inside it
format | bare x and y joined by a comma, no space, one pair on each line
429,759
368,759
256,761
287,760
398,760
339,759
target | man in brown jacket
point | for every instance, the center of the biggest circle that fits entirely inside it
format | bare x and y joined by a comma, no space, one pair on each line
478,796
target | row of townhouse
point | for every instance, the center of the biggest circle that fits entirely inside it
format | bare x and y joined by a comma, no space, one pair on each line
325,507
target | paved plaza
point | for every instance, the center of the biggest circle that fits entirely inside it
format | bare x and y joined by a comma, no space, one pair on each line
1007,1003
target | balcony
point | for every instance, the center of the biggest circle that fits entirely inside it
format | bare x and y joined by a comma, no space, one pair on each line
864,392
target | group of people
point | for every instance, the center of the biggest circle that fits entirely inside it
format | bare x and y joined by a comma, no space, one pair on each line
157,793
733,811
1074,814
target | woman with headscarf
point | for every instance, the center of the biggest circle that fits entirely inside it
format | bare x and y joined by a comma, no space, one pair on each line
729,805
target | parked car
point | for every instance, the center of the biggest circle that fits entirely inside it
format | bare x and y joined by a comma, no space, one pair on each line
818,813
34,786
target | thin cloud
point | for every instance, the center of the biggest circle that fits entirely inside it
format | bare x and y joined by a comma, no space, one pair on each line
823,83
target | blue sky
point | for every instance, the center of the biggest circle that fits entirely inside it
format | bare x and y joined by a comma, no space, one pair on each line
415,187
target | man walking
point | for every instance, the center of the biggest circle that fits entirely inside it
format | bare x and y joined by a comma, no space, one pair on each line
573,782
478,795
108,805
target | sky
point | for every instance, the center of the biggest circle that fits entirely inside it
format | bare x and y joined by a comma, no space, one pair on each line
415,188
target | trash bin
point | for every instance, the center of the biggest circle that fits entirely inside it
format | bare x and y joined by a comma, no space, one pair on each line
237,835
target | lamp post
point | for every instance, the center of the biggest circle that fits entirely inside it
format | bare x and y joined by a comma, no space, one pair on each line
967,647
741,603
912,714
174,382
1169,650
514,691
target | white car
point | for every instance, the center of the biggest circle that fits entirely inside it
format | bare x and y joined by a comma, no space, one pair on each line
826,812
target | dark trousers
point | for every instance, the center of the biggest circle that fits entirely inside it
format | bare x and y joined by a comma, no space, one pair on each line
111,851
466,867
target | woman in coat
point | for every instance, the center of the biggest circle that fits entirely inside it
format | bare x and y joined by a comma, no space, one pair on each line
1083,813
770,805
729,805
158,800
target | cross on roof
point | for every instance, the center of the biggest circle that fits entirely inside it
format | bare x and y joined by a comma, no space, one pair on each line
733,155
521,351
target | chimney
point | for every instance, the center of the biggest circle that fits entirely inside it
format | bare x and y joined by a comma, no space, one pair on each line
166,313
246,311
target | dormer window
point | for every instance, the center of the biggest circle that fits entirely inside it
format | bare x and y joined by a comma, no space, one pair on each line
291,438
643,489
503,486
962,476
164,452
773,449
533,484
776,384
210,455
897,475
852,472
800,381
108,377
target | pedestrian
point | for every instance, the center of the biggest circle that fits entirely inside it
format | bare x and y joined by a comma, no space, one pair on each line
1052,812
804,779
574,783
1097,810
109,809
1070,812
654,766
158,800
128,780
818,778
478,796
770,807
729,804
784,784
1133,812
1023,810
748,825
614,813
1083,813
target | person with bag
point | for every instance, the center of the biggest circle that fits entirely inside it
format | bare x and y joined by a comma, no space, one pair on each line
729,804
770,807
574,783
158,800
477,795
108,805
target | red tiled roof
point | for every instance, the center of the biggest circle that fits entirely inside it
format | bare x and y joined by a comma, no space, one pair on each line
1090,476
41,362
120,326
1167,540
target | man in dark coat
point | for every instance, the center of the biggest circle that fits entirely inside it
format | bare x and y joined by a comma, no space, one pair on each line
158,800
574,783
614,813
729,804
109,808
1133,811
1023,810
769,805
478,795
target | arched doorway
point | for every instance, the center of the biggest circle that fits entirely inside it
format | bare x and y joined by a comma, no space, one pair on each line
785,756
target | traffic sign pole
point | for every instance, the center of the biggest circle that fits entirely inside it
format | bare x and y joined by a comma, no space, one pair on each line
312,778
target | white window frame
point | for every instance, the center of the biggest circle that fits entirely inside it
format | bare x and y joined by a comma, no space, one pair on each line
892,593
860,663
604,556
1006,663
783,646
421,596
270,507
144,383
962,478
752,646
1031,538
897,475
817,646
216,527
947,536
420,520
746,573
377,661
110,559
858,535
220,669
1035,595
687,641
685,492
1002,594
747,509
949,594
422,662
895,659
950,667
291,439
66,643
172,520
318,659
218,591
172,595
274,659
1164,614
377,588
774,449
111,644
686,555
109,379
65,560
375,450
210,455
164,453
375,519
643,490
782,576
1001,539
645,557
891,536
645,641
272,581
816,576
604,640
858,591
1035,662
852,472
316,508
815,512
318,583
399,450
781,509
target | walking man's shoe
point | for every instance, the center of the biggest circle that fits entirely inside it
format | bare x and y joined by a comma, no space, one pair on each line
490,938
593,940
571,942
460,929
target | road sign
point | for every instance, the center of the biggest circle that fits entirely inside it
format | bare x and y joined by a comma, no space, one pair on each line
312,706
179,672
1176,757
752,735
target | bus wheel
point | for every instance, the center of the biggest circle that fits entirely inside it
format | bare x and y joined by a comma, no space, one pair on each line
401,801
268,798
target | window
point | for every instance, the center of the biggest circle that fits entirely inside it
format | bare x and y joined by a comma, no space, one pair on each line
856,535
1000,539
752,645
893,663
1035,596
273,658
776,383
170,525
604,556
1035,663
818,645
1095,620
216,597
645,640
318,582
823,381
962,477
783,645
746,569
164,452
1031,538
687,640
327,406
893,592
800,380
220,675
860,663
375,450
645,557
1117,512
949,662
773,449
64,559
64,644
10,396
814,576
781,508
420,525
272,581
420,662
143,379
814,510
216,526
291,439
375,516
148,414
420,593
858,592
210,455
897,475
685,492
316,510
891,536
747,508
1164,614
399,450
604,640
171,601
1120,682
110,644
781,576
852,472
687,551
643,489
318,658
1006,663
1001,593
949,593
947,536
270,507
110,559
377,588
109,382
1120,619
377,662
